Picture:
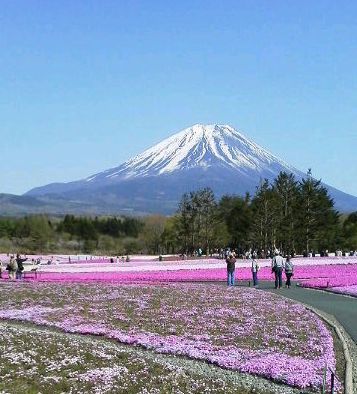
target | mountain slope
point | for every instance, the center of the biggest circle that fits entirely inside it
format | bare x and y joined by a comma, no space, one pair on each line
198,146
13,205
217,156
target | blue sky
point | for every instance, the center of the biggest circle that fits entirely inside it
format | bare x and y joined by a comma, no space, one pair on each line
85,85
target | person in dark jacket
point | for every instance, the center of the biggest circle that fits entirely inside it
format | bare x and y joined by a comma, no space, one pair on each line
289,271
231,266
20,266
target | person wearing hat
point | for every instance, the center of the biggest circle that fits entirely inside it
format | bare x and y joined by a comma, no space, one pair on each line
231,266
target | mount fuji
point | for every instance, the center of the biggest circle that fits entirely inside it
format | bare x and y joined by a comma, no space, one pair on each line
216,156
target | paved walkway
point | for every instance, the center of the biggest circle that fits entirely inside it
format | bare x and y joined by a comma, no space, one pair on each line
343,308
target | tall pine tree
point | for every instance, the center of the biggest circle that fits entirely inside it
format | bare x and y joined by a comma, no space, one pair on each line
317,219
285,188
263,229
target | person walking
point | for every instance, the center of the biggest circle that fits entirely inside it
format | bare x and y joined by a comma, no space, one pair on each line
289,271
20,266
277,267
255,269
231,266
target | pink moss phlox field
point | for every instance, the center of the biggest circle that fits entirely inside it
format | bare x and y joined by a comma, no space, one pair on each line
309,276
333,276
347,290
241,329
34,360
82,259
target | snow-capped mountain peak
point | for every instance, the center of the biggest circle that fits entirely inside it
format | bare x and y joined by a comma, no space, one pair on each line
199,146
216,156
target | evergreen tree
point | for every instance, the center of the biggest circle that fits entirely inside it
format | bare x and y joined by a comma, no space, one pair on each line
205,204
285,188
318,220
235,213
197,220
186,215
263,229
349,232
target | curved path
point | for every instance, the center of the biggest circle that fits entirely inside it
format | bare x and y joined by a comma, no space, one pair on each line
344,308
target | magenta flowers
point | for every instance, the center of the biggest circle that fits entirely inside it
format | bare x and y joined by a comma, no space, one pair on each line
238,329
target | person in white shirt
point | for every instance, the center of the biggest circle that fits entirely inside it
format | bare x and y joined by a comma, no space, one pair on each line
255,269
277,267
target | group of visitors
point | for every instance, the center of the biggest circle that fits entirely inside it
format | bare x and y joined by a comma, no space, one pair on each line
278,266
121,259
14,267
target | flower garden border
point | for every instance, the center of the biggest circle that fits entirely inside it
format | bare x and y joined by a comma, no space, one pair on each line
326,290
338,293
344,338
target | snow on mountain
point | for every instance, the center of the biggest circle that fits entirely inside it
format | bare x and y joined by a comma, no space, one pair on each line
197,146
215,156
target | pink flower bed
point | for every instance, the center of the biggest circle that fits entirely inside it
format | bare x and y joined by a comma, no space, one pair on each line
332,276
347,290
309,276
178,261
238,329
330,282
325,272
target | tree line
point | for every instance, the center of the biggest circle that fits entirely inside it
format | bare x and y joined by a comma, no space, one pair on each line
42,234
289,215
293,216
